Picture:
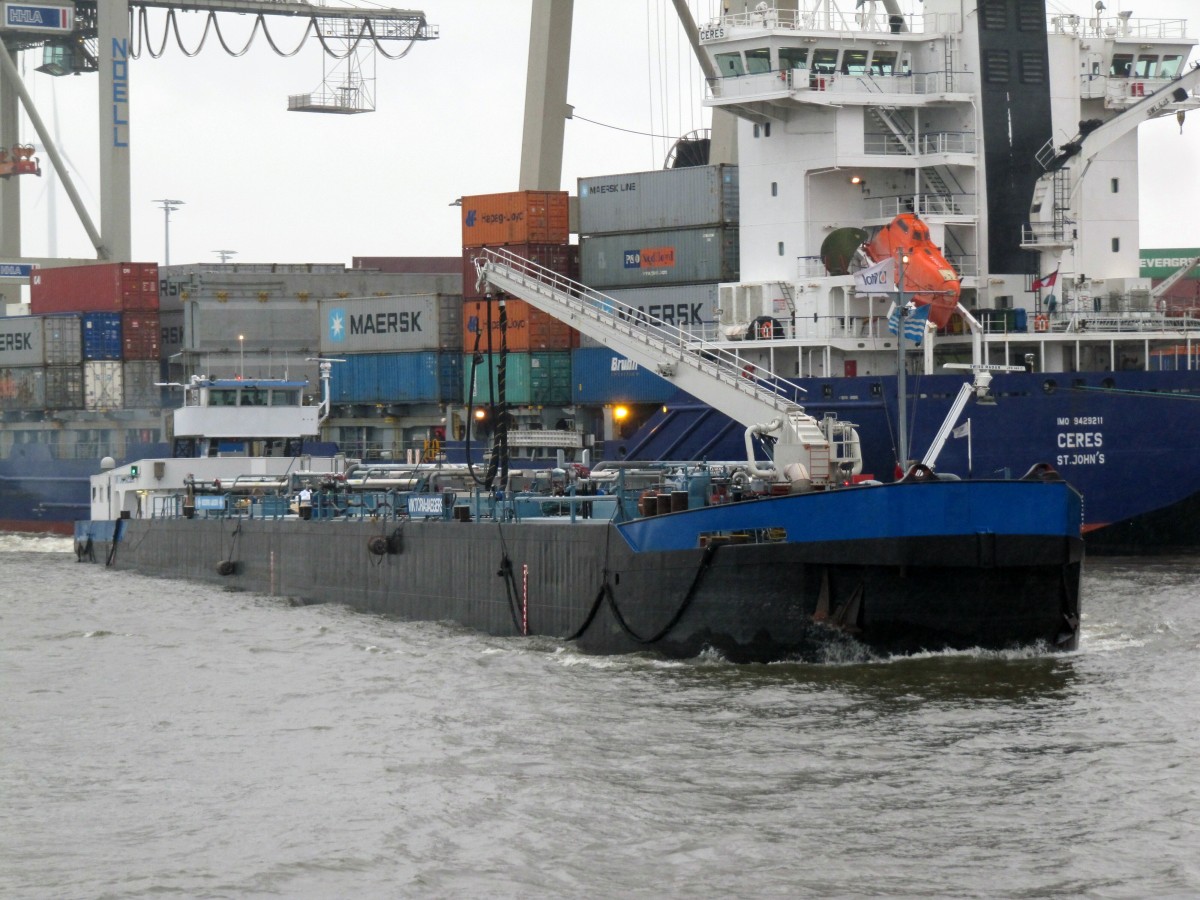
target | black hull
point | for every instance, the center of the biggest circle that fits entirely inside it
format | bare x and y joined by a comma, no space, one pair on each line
751,603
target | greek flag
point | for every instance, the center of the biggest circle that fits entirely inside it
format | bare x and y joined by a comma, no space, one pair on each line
914,322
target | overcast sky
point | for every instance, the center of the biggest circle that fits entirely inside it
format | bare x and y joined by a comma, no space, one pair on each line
279,186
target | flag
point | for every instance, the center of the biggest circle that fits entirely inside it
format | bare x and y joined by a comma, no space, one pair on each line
876,279
963,430
915,320
1047,282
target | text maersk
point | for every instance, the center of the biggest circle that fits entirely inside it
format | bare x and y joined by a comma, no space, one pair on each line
386,323
11,343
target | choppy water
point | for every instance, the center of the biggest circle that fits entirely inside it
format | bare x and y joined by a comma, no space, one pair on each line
164,738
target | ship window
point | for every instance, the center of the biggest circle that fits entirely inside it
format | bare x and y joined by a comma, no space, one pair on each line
285,398
1116,245
793,57
1146,67
1116,185
766,129
253,397
883,63
1170,66
995,67
758,61
226,397
854,62
1122,65
781,248
730,64
824,61
774,188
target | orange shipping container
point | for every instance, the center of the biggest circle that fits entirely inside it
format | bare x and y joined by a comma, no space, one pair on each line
521,217
528,328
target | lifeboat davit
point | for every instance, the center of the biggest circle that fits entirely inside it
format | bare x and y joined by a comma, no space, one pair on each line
928,279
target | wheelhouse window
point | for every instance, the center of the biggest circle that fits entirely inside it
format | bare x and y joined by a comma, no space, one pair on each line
253,397
1146,67
758,61
1122,65
222,397
824,62
854,62
793,57
730,64
285,398
1169,67
883,63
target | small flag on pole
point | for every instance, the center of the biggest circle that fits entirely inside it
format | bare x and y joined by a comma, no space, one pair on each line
1047,282
915,320
963,430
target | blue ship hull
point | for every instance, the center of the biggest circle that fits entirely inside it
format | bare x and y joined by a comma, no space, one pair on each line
1125,440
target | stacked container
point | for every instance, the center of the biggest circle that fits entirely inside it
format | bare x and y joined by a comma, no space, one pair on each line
22,363
535,226
660,242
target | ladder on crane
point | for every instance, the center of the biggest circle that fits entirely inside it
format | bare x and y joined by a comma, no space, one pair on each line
748,394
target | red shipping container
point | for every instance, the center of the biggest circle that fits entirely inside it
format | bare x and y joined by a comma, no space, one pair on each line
104,287
141,335
521,217
555,257
527,328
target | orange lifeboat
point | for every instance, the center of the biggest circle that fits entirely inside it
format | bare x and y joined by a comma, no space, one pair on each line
928,279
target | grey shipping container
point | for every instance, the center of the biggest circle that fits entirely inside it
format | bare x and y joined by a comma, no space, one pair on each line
234,325
64,387
64,340
21,341
102,381
23,387
171,324
397,323
661,200
139,385
691,307
653,258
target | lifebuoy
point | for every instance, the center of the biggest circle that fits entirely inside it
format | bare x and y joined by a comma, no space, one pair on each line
765,330
1041,323
748,370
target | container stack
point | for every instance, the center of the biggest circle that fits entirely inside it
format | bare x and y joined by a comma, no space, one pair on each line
96,329
660,242
533,225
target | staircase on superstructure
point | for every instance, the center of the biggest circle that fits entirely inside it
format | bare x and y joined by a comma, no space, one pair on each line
750,395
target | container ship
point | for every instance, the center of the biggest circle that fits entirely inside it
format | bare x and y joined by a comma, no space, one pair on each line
847,119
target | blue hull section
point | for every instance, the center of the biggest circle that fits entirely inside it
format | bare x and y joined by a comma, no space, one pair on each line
1126,440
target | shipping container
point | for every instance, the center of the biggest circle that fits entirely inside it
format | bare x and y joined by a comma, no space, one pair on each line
396,323
102,287
101,334
693,197
692,307
23,388
64,339
103,385
397,378
22,341
686,256
517,369
600,376
141,336
550,377
560,258
527,328
521,217
215,325
170,330
139,384
64,387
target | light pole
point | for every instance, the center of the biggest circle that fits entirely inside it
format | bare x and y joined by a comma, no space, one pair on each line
168,207
241,356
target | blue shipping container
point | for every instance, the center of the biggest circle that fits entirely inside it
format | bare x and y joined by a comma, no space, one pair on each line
602,376
421,377
101,335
